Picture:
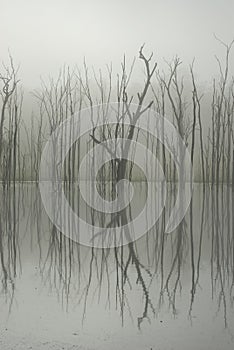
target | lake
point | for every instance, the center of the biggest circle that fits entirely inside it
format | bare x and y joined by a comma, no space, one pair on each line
162,291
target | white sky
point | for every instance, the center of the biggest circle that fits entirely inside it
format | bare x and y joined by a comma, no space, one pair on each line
42,35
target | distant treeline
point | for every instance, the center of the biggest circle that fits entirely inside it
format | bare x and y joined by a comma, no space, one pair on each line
209,135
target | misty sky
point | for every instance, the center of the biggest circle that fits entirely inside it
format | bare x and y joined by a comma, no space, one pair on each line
43,35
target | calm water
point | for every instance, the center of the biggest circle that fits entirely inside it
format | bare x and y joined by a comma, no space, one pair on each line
165,291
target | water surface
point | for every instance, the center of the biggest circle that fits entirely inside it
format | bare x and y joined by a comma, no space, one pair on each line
164,291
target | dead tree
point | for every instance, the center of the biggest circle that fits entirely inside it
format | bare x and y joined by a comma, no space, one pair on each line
8,81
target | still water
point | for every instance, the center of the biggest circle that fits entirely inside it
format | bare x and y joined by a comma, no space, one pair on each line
164,291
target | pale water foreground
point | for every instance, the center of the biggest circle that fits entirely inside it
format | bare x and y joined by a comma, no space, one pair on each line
165,291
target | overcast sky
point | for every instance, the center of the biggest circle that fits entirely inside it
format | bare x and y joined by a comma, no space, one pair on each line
42,35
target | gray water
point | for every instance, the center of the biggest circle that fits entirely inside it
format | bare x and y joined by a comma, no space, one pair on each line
164,291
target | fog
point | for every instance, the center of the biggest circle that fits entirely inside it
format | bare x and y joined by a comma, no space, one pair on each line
43,35
116,175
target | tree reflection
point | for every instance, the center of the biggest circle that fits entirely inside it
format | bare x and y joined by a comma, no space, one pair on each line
139,279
